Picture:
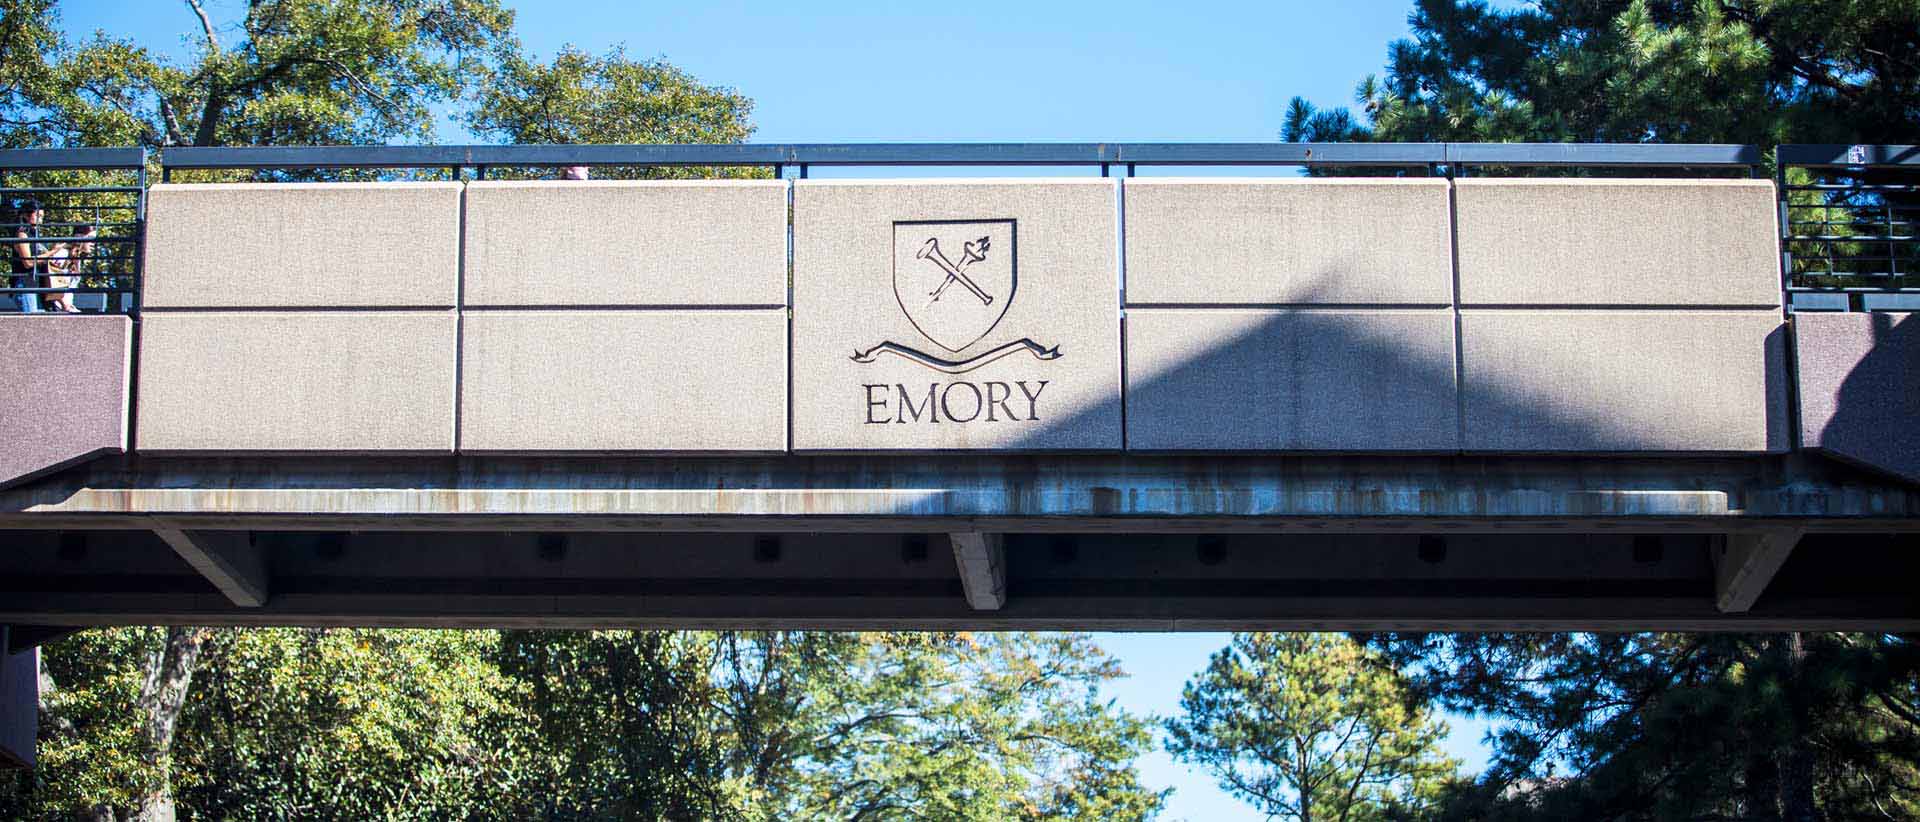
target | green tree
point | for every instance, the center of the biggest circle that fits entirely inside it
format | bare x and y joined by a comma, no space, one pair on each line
291,72
1310,727
579,98
279,724
1679,726
348,724
809,725
1733,71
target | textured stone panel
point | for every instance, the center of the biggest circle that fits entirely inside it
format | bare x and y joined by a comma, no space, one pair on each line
619,243
1860,388
1618,242
624,381
1291,380
1032,335
305,245
1624,381
63,390
1288,240
296,381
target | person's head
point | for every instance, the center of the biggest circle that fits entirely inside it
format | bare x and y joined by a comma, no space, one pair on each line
574,173
32,212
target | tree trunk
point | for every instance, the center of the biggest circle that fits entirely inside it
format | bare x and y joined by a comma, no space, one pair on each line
169,673
1760,787
1796,768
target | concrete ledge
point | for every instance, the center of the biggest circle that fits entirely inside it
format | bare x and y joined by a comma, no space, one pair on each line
64,394
349,382
1288,241
1860,388
1624,381
1351,380
305,245
1618,242
607,381
618,243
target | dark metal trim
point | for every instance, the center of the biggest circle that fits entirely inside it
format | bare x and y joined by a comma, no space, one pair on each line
1838,154
968,154
23,159
1603,154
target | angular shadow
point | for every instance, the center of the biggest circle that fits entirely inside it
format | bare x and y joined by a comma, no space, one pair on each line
1875,420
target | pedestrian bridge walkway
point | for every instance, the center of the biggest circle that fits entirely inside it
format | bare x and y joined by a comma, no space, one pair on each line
1450,386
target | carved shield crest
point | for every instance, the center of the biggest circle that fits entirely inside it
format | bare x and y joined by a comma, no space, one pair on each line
954,279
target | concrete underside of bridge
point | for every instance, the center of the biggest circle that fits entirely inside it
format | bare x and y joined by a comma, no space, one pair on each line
955,541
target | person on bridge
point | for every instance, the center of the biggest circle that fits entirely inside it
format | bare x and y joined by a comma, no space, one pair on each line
25,256
63,261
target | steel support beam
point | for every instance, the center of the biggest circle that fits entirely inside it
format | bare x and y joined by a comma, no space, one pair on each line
19,703
1745,563
228,559
982,559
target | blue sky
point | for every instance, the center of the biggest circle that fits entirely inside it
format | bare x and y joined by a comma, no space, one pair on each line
979,71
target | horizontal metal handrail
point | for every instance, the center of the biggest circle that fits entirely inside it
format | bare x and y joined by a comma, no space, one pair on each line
1844,227
967,154
37,159
1837,154
113,274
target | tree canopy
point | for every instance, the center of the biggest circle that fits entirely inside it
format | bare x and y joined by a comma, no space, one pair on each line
1703,71
1308,727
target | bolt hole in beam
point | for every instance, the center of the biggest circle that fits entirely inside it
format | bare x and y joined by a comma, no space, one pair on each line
766,550
913,549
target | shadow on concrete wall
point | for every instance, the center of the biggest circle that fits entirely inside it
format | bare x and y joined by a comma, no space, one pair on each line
1875,420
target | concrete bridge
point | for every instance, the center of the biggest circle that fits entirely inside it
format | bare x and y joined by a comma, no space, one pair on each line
1430,392
1441,396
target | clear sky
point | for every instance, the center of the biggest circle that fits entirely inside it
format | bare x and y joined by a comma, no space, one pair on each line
987,70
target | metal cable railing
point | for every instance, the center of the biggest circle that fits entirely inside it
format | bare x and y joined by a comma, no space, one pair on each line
71,226
1429,158
1850,225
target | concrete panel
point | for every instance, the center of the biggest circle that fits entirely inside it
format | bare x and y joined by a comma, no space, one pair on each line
352,382
891,352
624,381
1618,242
1348,380
1288,241
65,384
1624,381
1859,383
282,245
623,243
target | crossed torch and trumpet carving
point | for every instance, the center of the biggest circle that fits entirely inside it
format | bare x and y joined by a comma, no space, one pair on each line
970,253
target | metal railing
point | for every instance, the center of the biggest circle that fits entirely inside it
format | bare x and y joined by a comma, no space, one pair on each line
109,279
71,226
1850,225
1429,158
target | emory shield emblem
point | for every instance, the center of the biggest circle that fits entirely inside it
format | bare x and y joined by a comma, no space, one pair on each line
954,279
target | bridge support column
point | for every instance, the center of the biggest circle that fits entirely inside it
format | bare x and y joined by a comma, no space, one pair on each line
983,568
228,559
19,702
1745,563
